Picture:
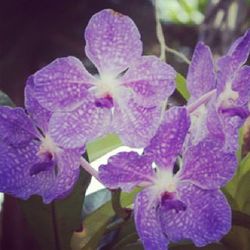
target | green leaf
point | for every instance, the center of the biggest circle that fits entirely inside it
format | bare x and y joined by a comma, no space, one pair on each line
128,238
231,200
5,100
95,200
181,86
54,224
243,193
235,185
96,223
244,165
102,146
126,235
180,11
119,210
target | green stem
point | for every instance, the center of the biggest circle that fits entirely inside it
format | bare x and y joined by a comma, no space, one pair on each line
161,39
116,204
54,222
177,53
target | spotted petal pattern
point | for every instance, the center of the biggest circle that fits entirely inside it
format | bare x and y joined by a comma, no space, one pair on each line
231,130
125,98
239,51
233,60
15,126
134,123
151,80
73,128
112,42
126,170
68,172
16,177
207,218
148,224
39,115
168,141
207,165
201,75
15,164
62,85
242,86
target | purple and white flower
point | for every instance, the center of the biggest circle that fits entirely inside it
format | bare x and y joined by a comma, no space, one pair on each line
180,197
227,111
126,97
30,161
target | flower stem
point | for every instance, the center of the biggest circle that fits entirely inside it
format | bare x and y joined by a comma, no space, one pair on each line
116,204
177,53
86,166
161,39
160,34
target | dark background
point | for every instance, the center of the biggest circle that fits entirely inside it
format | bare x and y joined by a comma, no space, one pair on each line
33,33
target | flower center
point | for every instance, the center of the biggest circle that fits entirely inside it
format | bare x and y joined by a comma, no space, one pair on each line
228,96
47,156
47,147
164,182
106,86
105,90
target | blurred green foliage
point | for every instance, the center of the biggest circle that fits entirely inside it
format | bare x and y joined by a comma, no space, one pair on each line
181,86
5,100
101,146
96,224
186,12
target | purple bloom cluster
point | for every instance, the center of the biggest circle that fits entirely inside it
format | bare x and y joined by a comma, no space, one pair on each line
189,152
191,156
180,197
226,112
66,107
30,161
125,97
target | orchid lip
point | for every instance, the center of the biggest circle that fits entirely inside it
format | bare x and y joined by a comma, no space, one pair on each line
235,111
42,166
105,102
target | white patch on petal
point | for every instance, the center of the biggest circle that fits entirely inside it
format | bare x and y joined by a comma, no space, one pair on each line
48,146
106,85
164,181
228,96
198,119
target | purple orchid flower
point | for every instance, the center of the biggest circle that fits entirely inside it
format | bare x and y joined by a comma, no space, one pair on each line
30,161
180,197
126,96
229,108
